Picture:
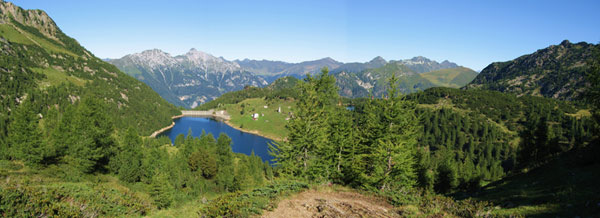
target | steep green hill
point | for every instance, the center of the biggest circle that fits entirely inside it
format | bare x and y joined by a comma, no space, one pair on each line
451,77
40,63
556,72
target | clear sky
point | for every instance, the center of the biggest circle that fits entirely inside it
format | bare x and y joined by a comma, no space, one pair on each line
471,33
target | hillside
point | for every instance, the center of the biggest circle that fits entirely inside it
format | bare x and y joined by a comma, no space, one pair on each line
282,88
42,64
565,186
412,78
187,80
450,77
556,72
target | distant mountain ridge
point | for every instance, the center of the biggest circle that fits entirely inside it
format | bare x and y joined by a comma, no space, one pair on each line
418,73
196,77
557,71
187,80
271,70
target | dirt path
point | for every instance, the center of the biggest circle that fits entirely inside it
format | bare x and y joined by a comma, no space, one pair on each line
329,203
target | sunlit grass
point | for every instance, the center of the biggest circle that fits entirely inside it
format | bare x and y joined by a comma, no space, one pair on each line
272,124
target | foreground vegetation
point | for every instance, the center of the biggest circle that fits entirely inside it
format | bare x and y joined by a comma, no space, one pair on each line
468,139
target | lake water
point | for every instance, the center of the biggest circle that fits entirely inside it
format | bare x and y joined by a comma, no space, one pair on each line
242,142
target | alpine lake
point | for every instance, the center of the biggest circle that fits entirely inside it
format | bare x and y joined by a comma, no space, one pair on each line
241,142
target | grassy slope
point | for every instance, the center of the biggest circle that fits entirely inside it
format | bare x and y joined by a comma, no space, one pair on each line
14,34
453,77
271,125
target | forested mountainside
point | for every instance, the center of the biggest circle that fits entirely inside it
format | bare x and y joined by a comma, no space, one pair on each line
556,72
45,70
187,80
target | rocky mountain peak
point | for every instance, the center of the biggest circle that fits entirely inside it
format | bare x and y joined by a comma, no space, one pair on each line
152,58
33,18
378,60
420,59
194,54
207,61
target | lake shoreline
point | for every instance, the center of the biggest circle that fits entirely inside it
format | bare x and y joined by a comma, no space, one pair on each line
217,115
255,132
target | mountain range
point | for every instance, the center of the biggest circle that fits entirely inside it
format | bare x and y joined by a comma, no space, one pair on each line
196,77
187,80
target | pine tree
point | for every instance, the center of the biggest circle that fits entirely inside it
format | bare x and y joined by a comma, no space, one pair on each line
394,151
308,140
130,158
341,139
161,191
24,137
91,141
225,172
447,178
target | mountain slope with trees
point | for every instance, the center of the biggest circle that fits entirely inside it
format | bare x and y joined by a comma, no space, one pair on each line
43,66
556,72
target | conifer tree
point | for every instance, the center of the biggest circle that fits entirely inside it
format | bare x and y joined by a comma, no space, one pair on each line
393,153
161,191
24,137
225,174
308,139
130,158
341,139
91,141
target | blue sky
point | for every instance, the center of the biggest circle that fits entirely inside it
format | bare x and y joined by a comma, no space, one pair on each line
470,33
